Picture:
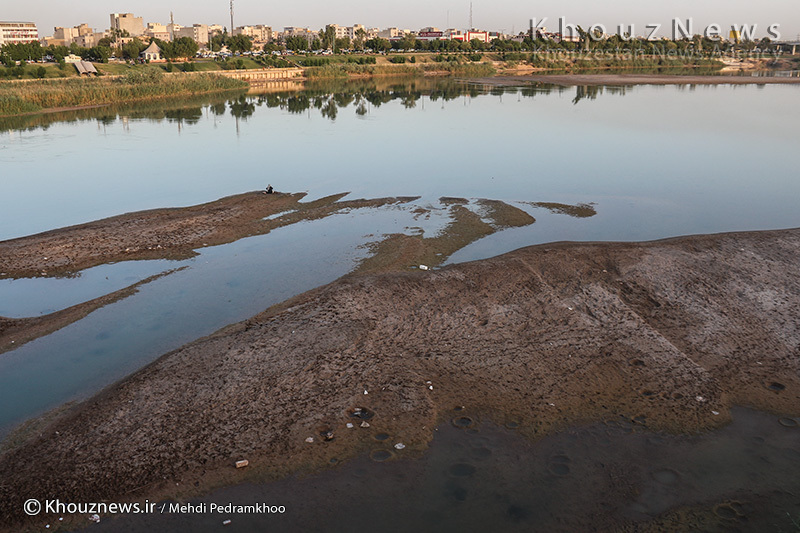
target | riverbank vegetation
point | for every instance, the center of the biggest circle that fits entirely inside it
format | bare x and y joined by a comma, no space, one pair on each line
143,84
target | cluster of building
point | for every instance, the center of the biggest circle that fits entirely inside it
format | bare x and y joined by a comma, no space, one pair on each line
125,27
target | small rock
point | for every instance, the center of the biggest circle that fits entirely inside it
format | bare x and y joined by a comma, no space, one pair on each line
699,398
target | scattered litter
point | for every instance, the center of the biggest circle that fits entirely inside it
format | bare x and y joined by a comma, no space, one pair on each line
399,446
715,413
423,267
95,518
243,463
365,391
61,519
430,387
45,260
226,522
569,308
47,526
428,382
310,440
327,435
699,398
364,424
551,404
350,425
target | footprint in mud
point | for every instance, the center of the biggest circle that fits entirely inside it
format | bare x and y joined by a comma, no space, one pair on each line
558,465
666,476
463,422
729,511
380,456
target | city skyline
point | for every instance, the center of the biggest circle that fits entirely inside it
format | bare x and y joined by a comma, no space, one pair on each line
501,15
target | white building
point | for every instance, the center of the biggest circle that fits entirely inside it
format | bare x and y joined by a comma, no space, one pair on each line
18,32
197,32
259,33
391,33
151,53
127,22
158,31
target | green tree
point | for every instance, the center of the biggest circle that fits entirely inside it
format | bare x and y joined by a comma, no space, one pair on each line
132,49
296,43
378,44
343,43
240,43
361,37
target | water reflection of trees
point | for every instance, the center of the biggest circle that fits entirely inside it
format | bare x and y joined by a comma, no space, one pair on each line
329,98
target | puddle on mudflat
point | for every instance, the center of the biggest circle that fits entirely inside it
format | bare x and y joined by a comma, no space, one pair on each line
600,477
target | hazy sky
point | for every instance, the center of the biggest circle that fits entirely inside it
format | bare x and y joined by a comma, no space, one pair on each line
415,14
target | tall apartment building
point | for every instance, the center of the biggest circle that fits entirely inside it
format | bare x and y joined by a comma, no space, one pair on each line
67,36
18,32
293,31
341,31
198,32
391,33
127,22
158,31
260,33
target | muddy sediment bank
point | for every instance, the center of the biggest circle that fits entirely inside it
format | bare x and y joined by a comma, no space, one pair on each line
179,232
168,233
667,334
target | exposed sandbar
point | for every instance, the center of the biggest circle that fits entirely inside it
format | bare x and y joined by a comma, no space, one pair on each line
669,334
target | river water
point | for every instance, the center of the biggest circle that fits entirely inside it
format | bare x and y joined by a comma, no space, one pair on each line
652,162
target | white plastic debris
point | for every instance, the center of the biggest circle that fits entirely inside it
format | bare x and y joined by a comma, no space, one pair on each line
699,398
95,518
423,267
350,425
364,424
430,387
226,522
243,463
310,440
399,446
715,413
365,391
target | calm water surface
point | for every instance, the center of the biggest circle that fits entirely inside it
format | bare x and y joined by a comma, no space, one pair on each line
654,161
